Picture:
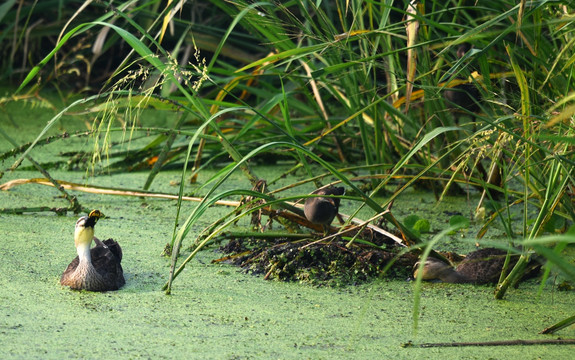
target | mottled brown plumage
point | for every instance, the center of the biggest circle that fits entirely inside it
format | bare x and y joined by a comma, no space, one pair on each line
96,269
479,267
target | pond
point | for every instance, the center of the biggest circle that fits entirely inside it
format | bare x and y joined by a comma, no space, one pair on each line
216,311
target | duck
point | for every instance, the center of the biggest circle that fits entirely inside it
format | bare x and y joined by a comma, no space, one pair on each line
94,269
465,96
322,210
479,267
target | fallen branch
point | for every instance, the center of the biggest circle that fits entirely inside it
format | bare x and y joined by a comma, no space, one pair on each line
496,343
60,211
106,191
128,192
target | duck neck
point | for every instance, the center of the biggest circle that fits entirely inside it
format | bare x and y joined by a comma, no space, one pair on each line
83,238
84,254
86,274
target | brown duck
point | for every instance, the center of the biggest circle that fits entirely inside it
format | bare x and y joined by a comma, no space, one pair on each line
466,95
96,269
479,267
322,210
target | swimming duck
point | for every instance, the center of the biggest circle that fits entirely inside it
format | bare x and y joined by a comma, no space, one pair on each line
322,210
96,269
479,267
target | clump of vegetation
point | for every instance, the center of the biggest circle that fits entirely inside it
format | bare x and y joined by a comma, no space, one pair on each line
331,264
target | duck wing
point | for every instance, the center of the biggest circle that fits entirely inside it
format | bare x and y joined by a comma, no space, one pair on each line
106,259
484,266
66,275
114,248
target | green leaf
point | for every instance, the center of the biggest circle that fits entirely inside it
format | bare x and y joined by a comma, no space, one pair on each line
410,221
422,226
459,222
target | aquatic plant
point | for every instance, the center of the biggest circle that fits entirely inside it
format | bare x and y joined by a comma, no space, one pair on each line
324,85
